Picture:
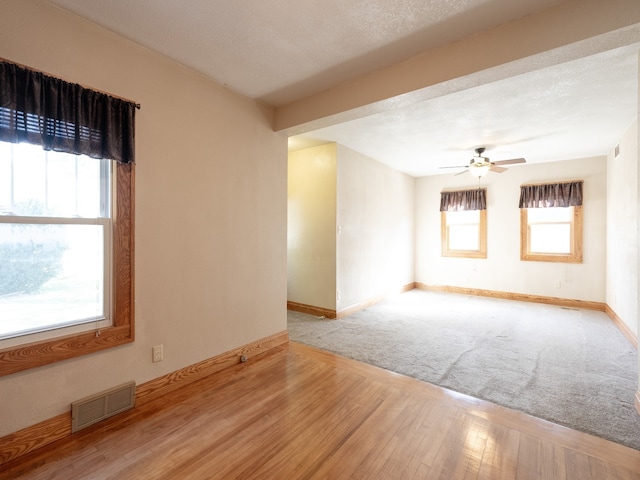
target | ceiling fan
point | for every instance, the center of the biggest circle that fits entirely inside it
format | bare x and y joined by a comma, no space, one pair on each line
480,166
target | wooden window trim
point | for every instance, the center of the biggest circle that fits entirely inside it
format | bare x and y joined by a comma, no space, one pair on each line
37,354
482,232
575,256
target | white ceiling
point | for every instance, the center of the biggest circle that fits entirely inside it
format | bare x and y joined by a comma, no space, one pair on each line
574,110
279,51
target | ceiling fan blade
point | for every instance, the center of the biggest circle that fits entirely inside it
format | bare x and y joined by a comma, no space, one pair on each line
456,166
466,169
512,161
497,169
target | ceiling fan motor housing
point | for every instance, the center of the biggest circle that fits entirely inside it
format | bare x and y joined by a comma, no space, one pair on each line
479,165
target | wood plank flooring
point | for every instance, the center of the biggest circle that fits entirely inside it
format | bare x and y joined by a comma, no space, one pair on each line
301,413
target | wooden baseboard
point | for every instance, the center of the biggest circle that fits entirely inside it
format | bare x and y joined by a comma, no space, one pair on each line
522,297
345,312
351,309
562,302
311,310
172,381
31,438
626,331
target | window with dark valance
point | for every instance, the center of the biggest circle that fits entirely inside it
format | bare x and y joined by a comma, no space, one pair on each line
551,195
551,222
64,117
66,221
463,223
463,200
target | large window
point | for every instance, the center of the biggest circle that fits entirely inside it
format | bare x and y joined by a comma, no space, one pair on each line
463,224
66,220
68,281
551,222
55,251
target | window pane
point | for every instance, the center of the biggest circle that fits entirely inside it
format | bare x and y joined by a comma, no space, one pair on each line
51,276
550,238
34,182
29,192
464,237
462,217
537,215
5,178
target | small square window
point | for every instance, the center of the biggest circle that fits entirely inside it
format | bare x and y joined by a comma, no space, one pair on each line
551,234
464,233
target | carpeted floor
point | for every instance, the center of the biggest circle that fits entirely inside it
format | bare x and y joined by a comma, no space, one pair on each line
572,367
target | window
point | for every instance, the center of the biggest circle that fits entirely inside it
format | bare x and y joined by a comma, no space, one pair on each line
66,220
551,234
84,274
463,224
551,222
55,235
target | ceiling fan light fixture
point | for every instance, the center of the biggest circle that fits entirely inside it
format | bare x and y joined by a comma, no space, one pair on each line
479,166
479,170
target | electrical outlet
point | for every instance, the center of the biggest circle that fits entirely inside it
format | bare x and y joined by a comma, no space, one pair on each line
158,354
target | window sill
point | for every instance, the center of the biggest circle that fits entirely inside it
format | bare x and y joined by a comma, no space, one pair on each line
33,355
528,257
465,254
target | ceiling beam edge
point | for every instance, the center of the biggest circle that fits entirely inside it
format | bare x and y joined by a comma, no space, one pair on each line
541,38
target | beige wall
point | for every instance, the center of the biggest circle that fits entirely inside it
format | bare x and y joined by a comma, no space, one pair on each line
622,229
210,211
375,252
503,270
350,228
311,244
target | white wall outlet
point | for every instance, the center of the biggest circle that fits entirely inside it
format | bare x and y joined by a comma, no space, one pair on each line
158,354
338,295
558,284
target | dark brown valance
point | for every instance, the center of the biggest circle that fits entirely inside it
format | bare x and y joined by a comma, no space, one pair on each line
463,200
566,194
65,117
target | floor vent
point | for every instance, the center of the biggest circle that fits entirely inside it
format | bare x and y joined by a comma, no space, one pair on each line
103,405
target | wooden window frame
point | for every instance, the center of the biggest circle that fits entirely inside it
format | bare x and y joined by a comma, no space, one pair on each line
575,255
482,233
36,354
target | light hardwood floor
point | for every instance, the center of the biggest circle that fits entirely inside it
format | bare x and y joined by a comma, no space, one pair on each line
301,413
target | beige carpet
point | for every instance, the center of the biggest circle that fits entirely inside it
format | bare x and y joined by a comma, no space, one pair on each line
572,367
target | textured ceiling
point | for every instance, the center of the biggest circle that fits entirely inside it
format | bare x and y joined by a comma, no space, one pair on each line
577,109
282,50
279,51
